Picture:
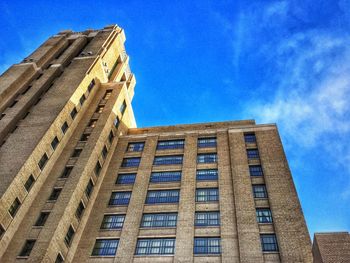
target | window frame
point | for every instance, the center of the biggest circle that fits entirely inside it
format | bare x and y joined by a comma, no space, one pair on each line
120,201
161,198
113,224
170,144
207,221
264,215
159,220
269,246
134,162
208,197
29,183
168,160
125,181
207,142
207,158
150,247
165,176
206,248
135,146
256,193
113,249
211,175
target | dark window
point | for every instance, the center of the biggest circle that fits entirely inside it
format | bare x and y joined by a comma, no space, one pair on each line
126,178
14,207
164,177
55,194
64,127
113,222
77,152
42,218
27,248
173,144
43,161
105,247
85,137
263,215
206,142
89,188
107,94
104,152
92,123
255,170
159,220
162,196
155,246
165,160
55,142
116,122
91,85
13,103
110,137
252,154
2,115
98,168
82,99
73,113
80,210
26,90
249,138
269,242
2,231
120,198
207,158
135,146
123,107
207,175
207,194
29,183
66,172
99,108
206,245
59,258
259,191
69,236
131,162
207,219
25,116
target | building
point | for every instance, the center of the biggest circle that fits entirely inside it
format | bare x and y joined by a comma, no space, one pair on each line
80,183
332,247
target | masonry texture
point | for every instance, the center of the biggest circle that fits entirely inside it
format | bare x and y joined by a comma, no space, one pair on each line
80,183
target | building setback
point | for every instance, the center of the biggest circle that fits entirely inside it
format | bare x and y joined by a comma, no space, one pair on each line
80,183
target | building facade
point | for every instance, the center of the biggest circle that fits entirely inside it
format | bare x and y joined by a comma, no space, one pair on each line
80,183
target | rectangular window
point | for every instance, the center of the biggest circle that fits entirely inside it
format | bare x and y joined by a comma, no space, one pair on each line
54,143
207,194
80,210
116,122
135,146
59,258
269,242
126,178
64,127
206,142
253,154
110,137
207,218
263,215
207,158
84,137
27,248
162,196
173,144
104,152
82,99
91,85
2,231
99,108
206,245
259,191
14,207
123,107
159,220
120,198
92,123
155,246
98,168
165,160
112,222
207,175
131,162
66,172
69,236
105,247
29,183
249,138
164,177
43,161
107,94
89,188
73,113
55,194
255,170
42,219
76,153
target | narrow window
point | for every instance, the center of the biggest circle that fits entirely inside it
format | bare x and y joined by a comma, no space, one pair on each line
207,219
73,113
259,191
252,154
207,194
13,103
59,258
27,248
89,188
42,219
66,172
110,137
123,107
84,137
55,194
29,183
249,138
98,168
14,207
107,94
269,242
206,245
82,99
69,236
25,91
76,153
80,210
54,143
2,115
43,161
126,178
91,85
263,215
104,152
2,231
64,127
99,108
255,170
116,122
105,247
113,222
92,123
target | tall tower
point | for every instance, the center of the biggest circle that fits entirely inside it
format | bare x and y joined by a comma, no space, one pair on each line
80,183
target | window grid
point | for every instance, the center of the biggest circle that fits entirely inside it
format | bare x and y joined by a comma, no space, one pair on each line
263,215
269,242
104,152
14,207
113,222
73,113
27,248
120,198
91,85
98,168
66,172
59,259
255,170
253,154
105,247
29,183
131,162
206,142
162,196
162,177
64,127
2,231
259,191
207,218
207,194
69,236
207,158
80,210
82,99
54,143
135,146
249,138
159,220
207,174
55,194
171,144
168,160
207,245
126,178
116,122
89,188
43,161
42,218
123,107
156,246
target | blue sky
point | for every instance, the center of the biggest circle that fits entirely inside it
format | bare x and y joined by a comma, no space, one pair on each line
199,61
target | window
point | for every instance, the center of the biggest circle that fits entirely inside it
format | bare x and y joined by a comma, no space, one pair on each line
206,175
206,245
123,107
14,207
66,172
99,108
206,142
80,210
73,113
159,220
82,99
164,160
207,158
173,144
107,94
126,178
164,177
29,183
104,152
110,137
255,170
42,218
268,242
76,153
249,138
92,123
91,85
116,122
98,168
252,154
89,188
105,247
2,115
43,161
113,222
27,248
259,191
155,246
55,194
25,91
85,137
54,143
162,196
135,146
263,215
69,236
131,162
207,194
120,198
2,231
64,127
207,219
13,103
59,258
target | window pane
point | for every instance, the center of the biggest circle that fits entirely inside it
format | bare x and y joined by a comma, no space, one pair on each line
207,158
160,246
165,160
105,247
173,144
162,196
206,142
162,177
159,220
208,174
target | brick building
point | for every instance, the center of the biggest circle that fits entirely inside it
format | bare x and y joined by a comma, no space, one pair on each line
80,183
